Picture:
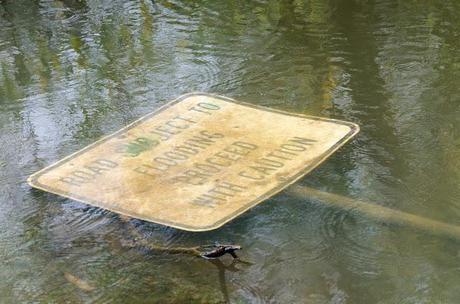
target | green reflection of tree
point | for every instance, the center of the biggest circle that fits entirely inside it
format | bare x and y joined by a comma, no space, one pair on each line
400,93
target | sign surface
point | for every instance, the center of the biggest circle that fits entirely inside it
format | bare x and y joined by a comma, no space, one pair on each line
197,162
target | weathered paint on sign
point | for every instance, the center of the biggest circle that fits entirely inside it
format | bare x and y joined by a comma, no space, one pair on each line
196,163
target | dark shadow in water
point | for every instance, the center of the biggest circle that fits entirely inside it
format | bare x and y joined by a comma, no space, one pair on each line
140,240
221,267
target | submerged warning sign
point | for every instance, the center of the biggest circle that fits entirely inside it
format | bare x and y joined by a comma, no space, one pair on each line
196,163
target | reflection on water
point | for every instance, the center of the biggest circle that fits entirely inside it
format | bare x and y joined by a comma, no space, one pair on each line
74,70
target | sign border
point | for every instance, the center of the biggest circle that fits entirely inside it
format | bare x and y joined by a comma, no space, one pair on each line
33,179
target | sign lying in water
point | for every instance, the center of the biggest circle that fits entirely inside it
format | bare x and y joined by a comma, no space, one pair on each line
197,162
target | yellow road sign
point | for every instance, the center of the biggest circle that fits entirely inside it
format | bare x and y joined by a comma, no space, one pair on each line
197,162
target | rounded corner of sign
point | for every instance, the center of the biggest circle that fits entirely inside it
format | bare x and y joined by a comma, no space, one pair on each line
351,126
32,180
355,128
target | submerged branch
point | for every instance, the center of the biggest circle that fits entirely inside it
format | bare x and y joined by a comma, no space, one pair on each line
80,283
207,252
377,212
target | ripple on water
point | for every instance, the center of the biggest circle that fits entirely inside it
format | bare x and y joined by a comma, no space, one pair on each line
326,235
350,239
248,290
362,246
161,235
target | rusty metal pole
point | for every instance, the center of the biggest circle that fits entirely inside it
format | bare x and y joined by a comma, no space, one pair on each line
377,212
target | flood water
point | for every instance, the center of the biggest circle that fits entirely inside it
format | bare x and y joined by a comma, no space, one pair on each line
73,71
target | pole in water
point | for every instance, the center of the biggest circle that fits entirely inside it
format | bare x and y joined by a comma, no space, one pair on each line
377,212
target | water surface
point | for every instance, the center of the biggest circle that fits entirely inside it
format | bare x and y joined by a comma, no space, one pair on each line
72,71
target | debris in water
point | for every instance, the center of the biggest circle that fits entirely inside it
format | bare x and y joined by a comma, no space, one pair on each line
220,250
82,284
208,252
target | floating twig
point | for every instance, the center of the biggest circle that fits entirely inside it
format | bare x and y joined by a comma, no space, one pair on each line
207,251
221,250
